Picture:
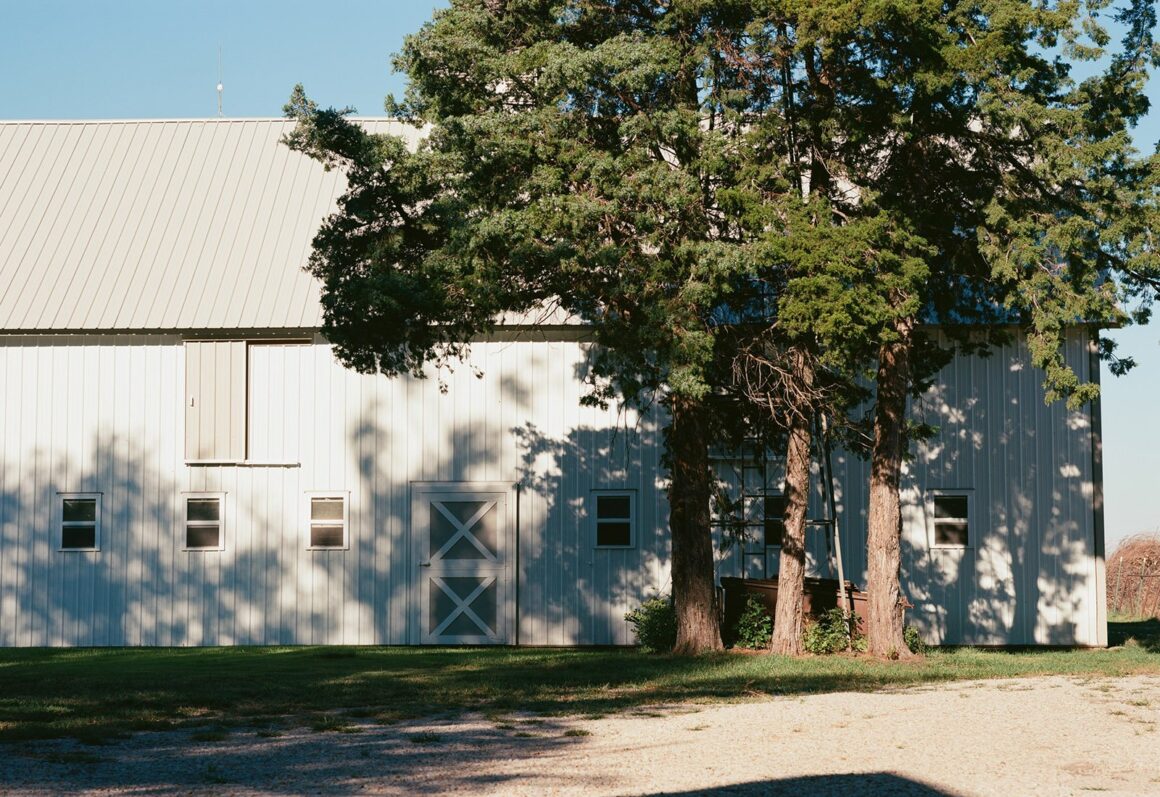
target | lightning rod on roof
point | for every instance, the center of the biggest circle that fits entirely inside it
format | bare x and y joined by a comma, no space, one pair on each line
220,87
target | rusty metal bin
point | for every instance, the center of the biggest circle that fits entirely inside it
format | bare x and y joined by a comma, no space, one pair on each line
819,595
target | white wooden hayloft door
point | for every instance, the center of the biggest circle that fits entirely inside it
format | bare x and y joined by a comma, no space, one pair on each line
461,532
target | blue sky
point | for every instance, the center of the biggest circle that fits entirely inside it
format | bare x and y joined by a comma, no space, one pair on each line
95,59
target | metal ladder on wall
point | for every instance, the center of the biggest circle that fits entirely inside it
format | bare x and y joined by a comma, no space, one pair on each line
754,470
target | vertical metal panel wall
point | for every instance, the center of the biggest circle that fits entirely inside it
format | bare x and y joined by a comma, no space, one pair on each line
1030,573
107,414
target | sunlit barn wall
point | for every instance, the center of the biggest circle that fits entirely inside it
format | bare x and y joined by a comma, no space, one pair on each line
104,413
1031,574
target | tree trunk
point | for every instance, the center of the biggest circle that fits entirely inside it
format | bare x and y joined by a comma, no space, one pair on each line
883,545
694,595
787,621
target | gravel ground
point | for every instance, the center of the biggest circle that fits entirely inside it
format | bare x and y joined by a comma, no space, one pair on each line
1036,736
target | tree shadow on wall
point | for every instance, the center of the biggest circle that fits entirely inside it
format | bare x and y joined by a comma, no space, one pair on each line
1027,573
585,586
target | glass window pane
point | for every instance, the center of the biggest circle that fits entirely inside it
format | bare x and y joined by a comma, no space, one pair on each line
326,509
774,530
203,536
78,537
949,532
613,507
614,533
203,509
774,507
950,506
80,510
326,536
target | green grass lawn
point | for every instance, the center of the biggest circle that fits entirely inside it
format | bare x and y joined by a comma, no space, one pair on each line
99,694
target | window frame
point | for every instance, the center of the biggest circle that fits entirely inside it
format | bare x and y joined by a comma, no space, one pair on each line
309,522
61,523
186,497
932,522
597,521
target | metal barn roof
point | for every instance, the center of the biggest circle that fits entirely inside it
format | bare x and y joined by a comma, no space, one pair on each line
160,224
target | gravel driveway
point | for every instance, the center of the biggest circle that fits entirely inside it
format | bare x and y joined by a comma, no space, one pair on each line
1034,736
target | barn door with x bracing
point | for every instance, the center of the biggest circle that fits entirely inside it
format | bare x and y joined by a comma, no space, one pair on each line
461,534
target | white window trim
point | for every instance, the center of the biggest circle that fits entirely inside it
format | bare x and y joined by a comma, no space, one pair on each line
60,524
632,522
185,497
931,521
308,520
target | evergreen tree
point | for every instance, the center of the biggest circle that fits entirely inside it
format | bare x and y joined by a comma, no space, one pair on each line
664,170
951,171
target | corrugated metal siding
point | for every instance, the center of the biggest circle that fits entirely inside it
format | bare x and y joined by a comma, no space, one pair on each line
160,225
105,414
1030,574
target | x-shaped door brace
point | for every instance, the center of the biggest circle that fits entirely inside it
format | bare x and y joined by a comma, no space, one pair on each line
462,606
463,530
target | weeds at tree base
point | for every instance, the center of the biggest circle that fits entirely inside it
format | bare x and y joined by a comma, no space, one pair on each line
655,625
754,627
831,633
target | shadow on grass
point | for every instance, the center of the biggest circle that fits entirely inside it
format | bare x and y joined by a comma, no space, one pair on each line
98,694
1145,633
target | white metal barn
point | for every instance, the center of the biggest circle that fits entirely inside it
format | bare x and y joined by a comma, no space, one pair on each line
183,462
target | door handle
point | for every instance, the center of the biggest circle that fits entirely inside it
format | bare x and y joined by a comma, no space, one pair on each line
424,564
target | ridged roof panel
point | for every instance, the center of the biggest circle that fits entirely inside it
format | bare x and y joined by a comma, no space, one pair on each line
182,224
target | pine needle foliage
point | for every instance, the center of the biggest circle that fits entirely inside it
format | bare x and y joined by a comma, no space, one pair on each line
676,173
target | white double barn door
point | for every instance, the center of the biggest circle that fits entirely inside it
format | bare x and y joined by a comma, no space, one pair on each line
460,534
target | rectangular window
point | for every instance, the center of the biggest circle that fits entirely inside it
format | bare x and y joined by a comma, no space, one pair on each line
774,519
614,519
204,522
950,519
80,522
326,521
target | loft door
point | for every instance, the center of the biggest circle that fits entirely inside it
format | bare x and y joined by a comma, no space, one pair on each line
460,531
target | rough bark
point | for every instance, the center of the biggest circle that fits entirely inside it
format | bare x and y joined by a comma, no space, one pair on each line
884,624
787,621
694,596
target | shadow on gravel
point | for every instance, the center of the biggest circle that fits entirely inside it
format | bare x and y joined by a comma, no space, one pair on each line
862,784
411,758
428,756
